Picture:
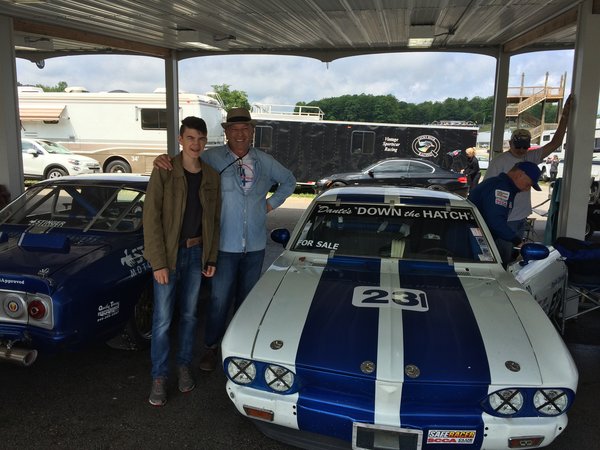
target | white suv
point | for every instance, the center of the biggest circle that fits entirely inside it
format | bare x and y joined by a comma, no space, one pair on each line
47,159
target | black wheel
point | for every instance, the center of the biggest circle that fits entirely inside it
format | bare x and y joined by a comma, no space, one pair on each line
436,187
337,184
436,251
139,328
118,166
56,172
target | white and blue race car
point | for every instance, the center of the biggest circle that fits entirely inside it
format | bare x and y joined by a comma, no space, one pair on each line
389,323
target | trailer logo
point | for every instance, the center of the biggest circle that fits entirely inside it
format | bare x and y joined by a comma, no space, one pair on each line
426,146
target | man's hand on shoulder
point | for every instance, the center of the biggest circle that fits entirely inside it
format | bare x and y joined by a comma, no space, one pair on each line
163,162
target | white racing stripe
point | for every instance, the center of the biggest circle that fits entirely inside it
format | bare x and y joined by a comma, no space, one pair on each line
390,362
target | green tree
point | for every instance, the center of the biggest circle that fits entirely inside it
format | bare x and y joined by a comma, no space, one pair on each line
59,87
231,99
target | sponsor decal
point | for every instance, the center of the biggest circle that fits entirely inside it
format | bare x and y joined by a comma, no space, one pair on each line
6,281
134,260
377,297
501,197
392,211
451,436
426,146
109,310
391,144
47,223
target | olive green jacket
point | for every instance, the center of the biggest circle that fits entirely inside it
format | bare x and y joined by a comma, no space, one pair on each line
164,207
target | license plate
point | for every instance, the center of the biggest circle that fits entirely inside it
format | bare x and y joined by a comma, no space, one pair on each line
380,437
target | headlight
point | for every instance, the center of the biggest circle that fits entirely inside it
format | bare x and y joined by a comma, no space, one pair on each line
506,402
241,371
279,378
75,162
551,401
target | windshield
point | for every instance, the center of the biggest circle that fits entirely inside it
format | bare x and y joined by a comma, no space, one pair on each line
89,207
53,147
404,232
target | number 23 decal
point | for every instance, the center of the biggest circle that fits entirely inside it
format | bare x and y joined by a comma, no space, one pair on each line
377,297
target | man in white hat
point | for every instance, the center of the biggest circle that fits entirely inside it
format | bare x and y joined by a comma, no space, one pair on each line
520,142
247,175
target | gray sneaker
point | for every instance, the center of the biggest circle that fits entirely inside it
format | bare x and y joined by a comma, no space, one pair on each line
186,380
158,394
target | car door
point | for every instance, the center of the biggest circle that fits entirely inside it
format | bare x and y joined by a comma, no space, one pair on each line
420,174
33,159
393,172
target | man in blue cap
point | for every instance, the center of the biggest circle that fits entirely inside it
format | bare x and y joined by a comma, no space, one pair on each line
494,198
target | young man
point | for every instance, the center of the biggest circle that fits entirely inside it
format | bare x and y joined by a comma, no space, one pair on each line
494,198
181,240
247,175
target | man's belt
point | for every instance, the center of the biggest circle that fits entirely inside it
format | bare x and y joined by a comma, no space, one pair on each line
191,242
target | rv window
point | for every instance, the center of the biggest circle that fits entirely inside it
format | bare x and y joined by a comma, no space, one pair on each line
263,137
362,143
154,119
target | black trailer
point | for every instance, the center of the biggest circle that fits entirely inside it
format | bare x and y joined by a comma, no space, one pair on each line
313,148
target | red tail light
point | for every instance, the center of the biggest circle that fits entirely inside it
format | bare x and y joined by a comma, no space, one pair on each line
462,180
36,309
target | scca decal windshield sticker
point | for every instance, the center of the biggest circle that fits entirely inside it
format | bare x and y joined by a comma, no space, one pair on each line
377,297
394,211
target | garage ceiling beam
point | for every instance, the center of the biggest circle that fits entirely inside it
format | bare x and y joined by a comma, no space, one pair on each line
51,31
566,20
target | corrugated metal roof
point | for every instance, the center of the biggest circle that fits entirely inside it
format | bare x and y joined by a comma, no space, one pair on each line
324,29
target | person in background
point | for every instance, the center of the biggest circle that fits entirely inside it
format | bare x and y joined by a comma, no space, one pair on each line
519,143
494,198
181,240
247,175
554,167
471,170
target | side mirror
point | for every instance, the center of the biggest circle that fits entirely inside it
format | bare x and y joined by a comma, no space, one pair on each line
533,252
281,236
371,173
32,151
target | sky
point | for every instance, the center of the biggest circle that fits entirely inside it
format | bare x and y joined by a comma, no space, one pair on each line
286,80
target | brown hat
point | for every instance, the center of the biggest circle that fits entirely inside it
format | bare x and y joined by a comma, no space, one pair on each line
238,115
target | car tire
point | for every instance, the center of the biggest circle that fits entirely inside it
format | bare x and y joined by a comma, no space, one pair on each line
588,230
118,166
55,172
437,187
139,328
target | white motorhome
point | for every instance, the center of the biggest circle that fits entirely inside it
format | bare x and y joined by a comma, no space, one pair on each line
123,131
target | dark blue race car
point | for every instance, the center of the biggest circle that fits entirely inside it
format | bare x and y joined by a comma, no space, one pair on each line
72,270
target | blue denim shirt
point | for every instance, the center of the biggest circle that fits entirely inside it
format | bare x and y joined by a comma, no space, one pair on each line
244,213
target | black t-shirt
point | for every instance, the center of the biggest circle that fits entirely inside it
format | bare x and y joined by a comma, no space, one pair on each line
192,217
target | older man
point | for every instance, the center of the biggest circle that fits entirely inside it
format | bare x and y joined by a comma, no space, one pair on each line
247,175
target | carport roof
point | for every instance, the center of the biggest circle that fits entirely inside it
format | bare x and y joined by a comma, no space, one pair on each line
322,29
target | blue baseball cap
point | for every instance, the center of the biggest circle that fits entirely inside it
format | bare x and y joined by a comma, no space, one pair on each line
532,171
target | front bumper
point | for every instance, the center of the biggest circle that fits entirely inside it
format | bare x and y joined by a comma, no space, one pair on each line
493,434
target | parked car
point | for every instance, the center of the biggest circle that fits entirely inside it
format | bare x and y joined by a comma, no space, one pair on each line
71,266
46,159
484,161
400,172
390,318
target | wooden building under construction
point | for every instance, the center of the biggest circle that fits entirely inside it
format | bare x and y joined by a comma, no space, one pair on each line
522,101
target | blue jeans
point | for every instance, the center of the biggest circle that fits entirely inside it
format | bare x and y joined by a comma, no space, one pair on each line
186,280
236,275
